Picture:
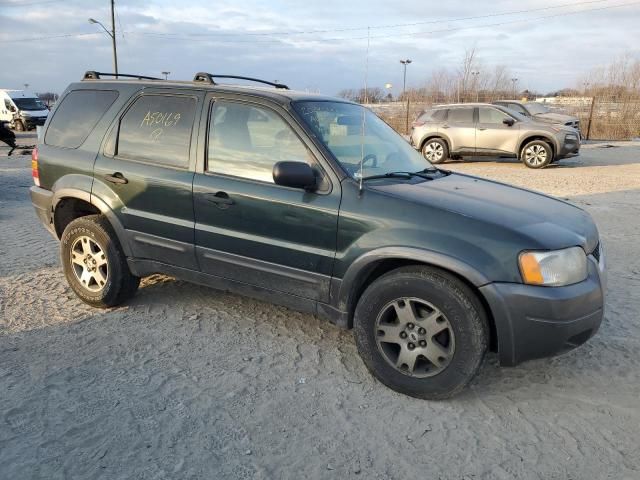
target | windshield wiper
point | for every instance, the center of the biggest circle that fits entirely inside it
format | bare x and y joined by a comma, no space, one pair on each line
406,175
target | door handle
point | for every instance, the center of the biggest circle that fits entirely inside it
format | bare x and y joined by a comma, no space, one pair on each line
445,126
219,198
117,177
481,128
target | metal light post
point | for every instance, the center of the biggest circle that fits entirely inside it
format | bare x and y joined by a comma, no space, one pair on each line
26,86
112,34
404,90
475,82
514,80
166,74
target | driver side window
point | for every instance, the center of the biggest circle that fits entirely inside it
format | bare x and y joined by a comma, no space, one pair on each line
247,141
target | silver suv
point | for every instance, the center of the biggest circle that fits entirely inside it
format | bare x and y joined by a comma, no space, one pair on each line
454,131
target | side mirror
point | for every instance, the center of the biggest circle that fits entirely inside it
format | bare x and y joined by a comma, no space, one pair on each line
509,121
295,175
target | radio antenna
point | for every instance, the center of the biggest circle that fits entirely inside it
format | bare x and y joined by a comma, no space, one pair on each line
364,121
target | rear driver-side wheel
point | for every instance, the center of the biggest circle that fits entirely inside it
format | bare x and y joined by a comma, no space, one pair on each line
94,263
421,332
435,150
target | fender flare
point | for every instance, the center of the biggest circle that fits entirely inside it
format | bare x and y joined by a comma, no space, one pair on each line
101,205
364,264
441,135
552,141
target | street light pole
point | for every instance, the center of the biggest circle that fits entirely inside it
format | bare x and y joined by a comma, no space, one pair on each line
475,82
514,80
166,74
112,34
404,90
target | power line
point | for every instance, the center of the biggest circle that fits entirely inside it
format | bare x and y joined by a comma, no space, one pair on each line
377,27
179,36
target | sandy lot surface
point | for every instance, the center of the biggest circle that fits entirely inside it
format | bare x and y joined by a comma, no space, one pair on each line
188,383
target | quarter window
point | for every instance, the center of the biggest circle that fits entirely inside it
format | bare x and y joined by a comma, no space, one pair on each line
460,115
76,117
157,129
247,141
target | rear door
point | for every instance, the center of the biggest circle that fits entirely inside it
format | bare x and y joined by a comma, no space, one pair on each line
145,173
493,135
249,229
460,127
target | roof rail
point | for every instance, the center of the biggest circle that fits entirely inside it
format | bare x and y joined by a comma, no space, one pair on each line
205,77
93,75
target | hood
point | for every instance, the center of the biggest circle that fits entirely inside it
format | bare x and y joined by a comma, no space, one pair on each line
554,118
548,222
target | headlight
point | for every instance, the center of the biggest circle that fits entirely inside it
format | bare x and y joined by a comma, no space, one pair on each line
554,268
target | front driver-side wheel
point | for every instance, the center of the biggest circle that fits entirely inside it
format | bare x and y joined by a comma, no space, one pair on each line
435,150
94,264
421,331
536,154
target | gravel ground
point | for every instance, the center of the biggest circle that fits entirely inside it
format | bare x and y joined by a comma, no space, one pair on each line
185,382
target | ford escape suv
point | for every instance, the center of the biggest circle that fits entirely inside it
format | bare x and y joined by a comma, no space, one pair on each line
313,203
454,131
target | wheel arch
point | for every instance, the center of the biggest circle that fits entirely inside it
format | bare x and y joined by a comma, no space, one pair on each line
372,265
70,203
431,136
537,136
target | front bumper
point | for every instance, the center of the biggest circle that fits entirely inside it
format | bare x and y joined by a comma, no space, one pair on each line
569,148
42,200
31,122
535,322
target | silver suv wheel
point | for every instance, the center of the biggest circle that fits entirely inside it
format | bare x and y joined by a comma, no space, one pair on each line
536,154
433,151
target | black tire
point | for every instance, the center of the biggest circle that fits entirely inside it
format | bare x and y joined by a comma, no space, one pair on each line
531,159
460,308
120,284
435,150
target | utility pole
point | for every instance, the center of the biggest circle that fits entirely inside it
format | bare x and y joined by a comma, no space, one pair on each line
514,80
112,34
113,37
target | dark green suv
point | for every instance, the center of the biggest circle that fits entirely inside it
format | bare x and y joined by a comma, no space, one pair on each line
313,203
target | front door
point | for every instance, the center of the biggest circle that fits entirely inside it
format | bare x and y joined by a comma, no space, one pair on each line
493,135
145,174
249,229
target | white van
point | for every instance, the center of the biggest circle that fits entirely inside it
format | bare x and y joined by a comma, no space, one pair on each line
22,110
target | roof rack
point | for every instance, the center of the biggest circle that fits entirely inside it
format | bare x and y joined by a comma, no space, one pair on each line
93,75
205,77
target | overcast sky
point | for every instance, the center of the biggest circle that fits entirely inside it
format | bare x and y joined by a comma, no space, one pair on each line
262,38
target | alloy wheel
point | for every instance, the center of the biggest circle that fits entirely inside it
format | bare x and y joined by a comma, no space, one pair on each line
89,263
433,151
415,337
535,155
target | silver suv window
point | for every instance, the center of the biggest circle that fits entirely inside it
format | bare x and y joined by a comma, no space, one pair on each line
460,115
491,115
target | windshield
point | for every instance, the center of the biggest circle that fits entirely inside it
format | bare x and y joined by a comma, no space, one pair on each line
536,108
29,104
378,151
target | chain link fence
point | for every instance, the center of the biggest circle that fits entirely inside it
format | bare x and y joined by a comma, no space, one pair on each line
601,117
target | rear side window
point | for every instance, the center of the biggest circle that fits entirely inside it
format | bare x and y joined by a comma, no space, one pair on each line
157,129
432,116
77,115
460,115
